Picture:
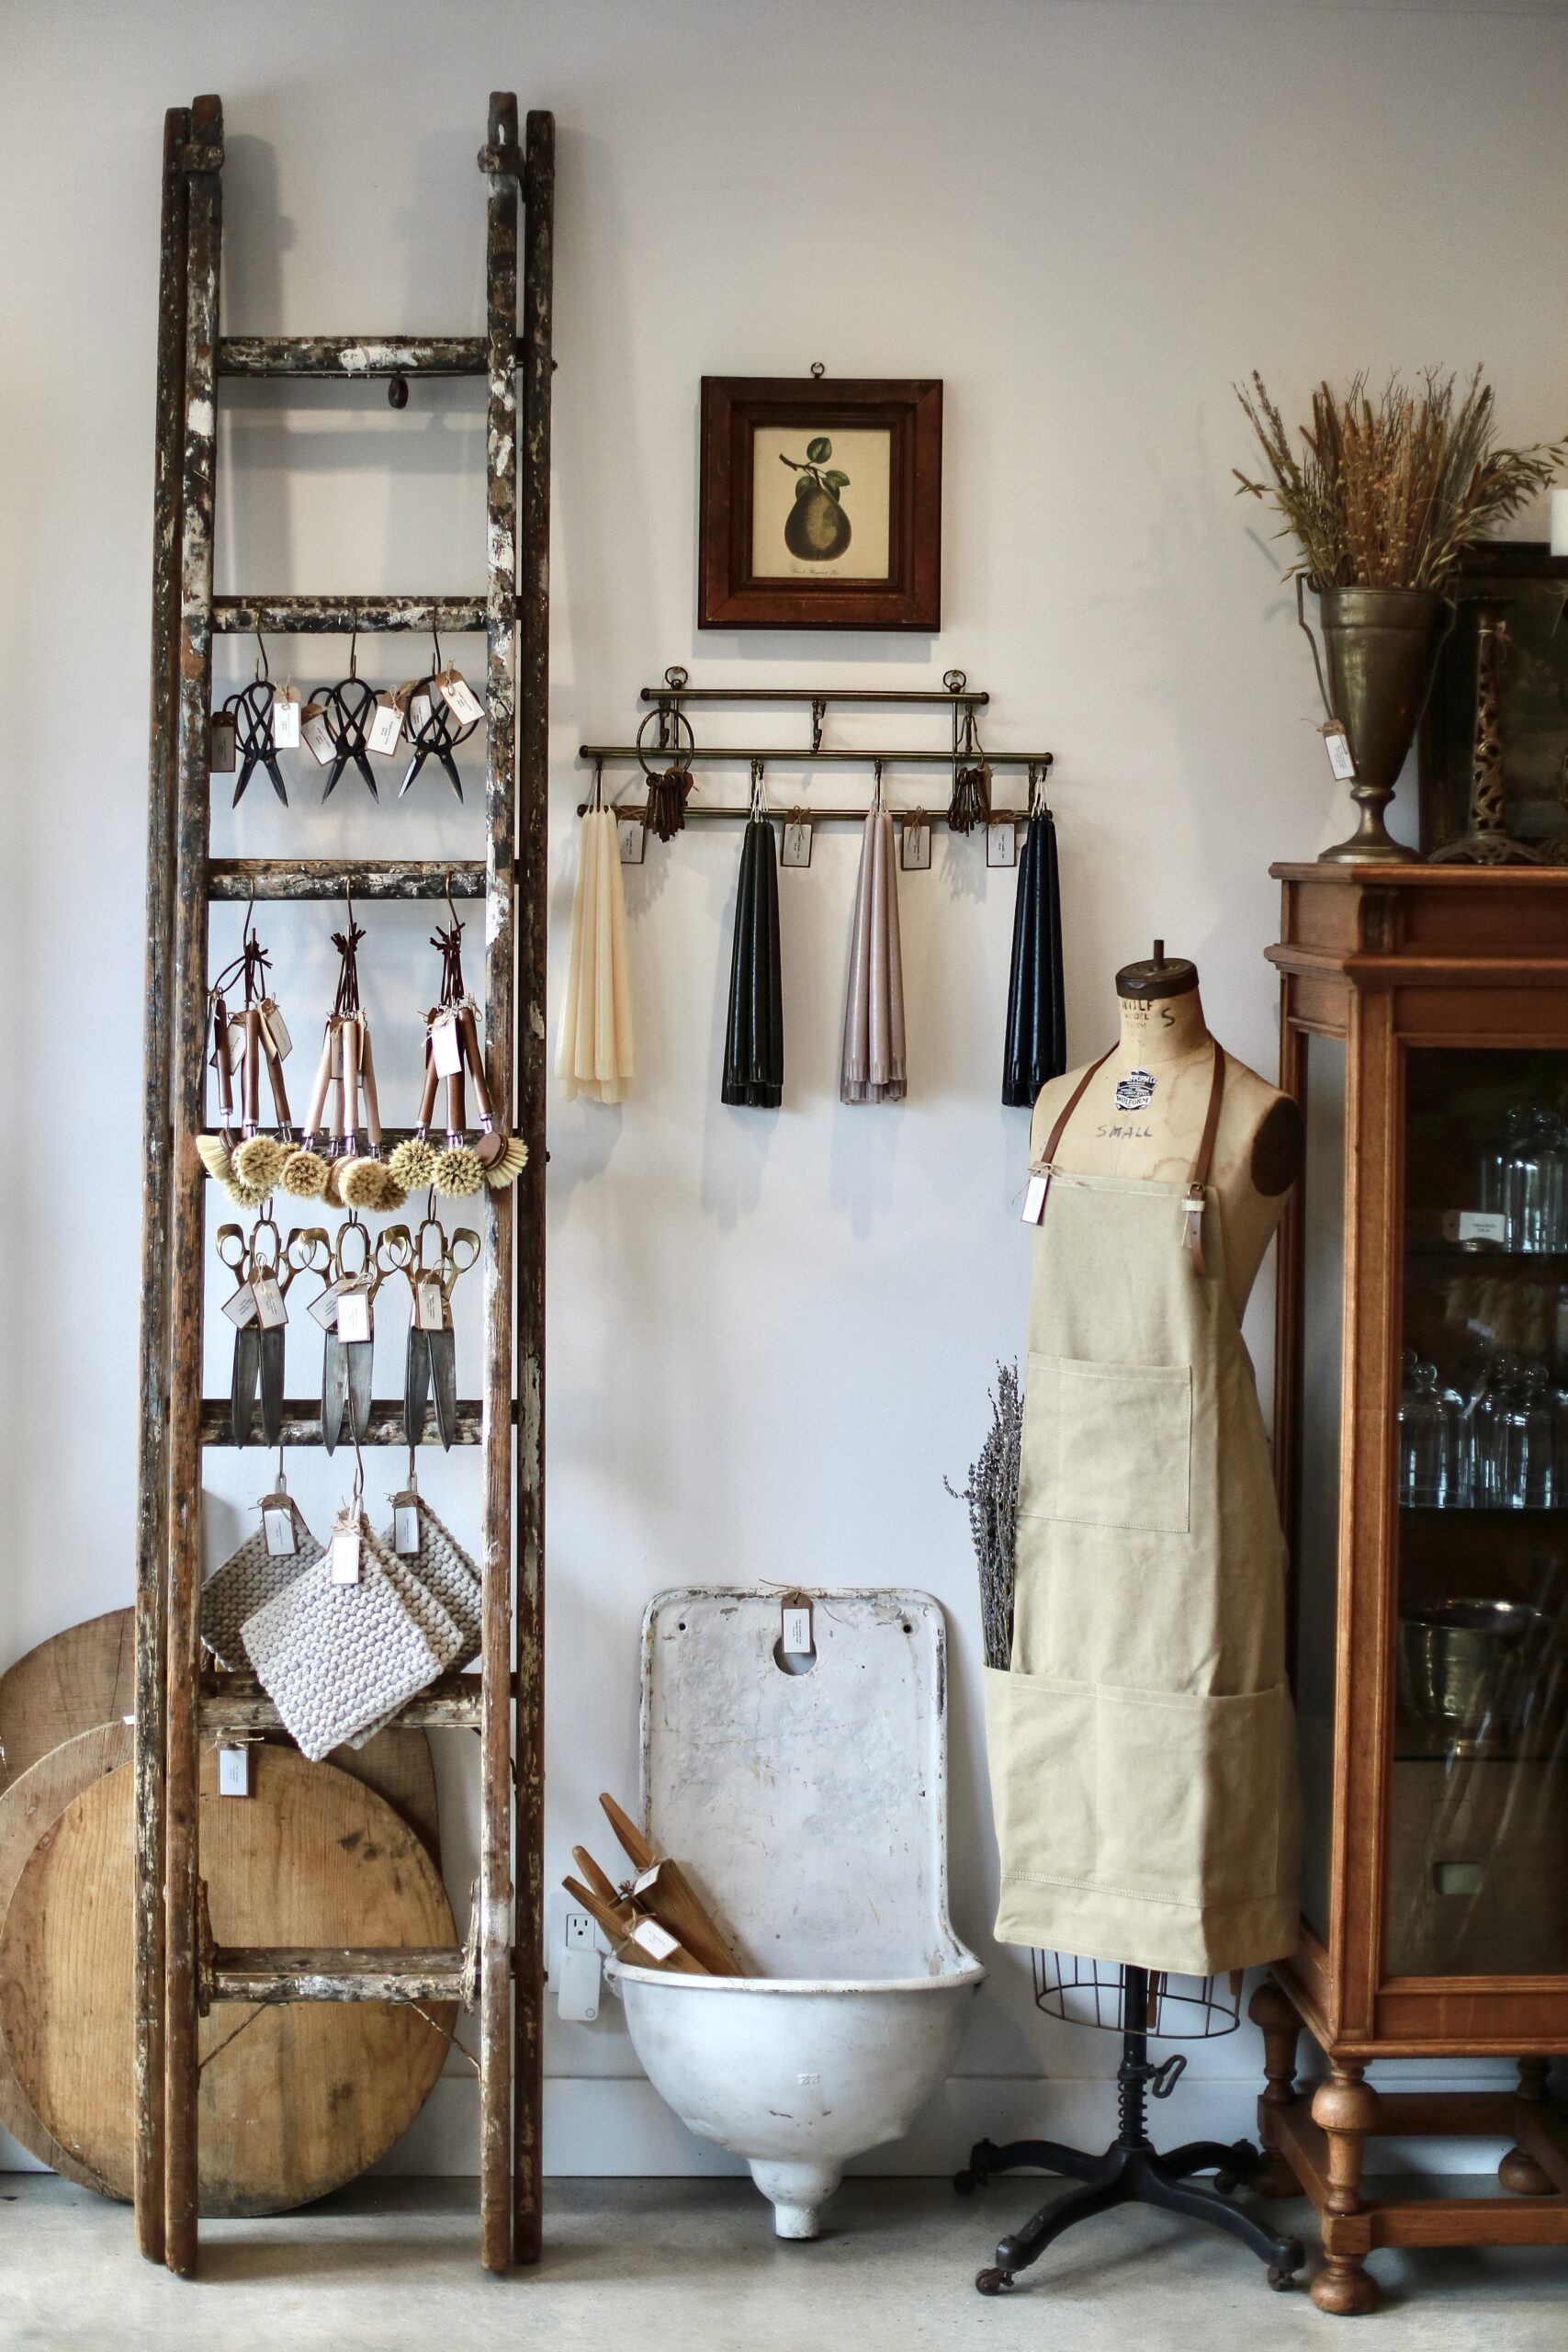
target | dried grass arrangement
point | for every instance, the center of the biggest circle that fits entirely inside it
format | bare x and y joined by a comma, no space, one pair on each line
1389,494
992,1497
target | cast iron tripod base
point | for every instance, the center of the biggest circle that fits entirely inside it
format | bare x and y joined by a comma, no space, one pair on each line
1128,2175
1132,2171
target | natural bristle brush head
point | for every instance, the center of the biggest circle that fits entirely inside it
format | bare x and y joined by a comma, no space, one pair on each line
412,1163
509,1167
458,1175
363,1183
245,1196
332,1190
214,1155
304,1175
260,1161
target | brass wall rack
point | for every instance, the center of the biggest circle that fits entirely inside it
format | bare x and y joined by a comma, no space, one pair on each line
176,1703
674,742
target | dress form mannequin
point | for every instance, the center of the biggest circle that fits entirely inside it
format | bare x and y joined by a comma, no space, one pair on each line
1258,1147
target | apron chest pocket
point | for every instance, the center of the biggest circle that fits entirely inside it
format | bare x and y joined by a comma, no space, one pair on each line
1108,1444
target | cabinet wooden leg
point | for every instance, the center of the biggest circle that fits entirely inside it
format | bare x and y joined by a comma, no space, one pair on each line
1344,2109
1518,2170
1272,2012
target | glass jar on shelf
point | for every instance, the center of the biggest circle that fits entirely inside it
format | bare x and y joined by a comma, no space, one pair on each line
1426,1437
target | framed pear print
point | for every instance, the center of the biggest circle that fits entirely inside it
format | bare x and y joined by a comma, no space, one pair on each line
821,503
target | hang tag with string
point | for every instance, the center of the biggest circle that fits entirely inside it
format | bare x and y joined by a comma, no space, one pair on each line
460,697
223,754
324,1307
1034,1195
796,849
274,1029
631,834
277,1523
1001,842
915,846
445,1046
270,1309
242,1308
316,734
286,719
429,1305
795,1627
354,1313
419,713
405,1523
385,730
1336,743
345,1549
234,1769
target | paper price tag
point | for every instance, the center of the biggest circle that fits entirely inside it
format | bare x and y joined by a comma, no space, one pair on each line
223,754
419,714
233,1772
915,849
242,1308
1472,1226
278,1521
285,720
1336,743
386,728
1034,1197
459,697
796,848
445,1046
270,1309
646,1880
346,1555
656,1941
324,1308
631,836
236,1043
275,1028
429,1306
318,735
795,1639
405,1526
354,1316
1001,842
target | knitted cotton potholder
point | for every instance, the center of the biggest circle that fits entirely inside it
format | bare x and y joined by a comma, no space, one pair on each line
337,1660
442,1567
249,1576
432,1600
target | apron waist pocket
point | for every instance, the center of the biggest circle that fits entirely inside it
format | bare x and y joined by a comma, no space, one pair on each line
1108,1444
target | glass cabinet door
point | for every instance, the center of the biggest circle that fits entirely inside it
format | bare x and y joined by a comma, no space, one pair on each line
1478,1840
1315,1541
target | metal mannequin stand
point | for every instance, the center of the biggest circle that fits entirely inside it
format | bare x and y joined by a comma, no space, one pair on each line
1132,2170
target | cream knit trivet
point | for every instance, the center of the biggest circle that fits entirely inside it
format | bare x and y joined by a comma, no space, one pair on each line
249,1576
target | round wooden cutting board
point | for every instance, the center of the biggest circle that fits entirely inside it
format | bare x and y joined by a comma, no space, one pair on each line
87,1675
295,2099
83,1676
33,1804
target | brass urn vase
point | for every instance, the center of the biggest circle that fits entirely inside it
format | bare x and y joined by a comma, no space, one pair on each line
1381,649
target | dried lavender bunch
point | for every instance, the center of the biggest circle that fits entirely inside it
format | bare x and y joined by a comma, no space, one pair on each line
1391,495
992,1497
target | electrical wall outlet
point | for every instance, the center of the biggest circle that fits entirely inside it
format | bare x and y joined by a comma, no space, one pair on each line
576,1952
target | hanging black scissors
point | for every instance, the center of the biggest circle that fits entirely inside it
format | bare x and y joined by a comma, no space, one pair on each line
251,706
436,736
349,708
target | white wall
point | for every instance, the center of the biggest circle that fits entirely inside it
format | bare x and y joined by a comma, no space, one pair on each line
772,1334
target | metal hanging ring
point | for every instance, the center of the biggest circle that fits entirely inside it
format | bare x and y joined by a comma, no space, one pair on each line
677,754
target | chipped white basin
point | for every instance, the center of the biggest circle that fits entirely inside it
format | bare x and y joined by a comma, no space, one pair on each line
810,1811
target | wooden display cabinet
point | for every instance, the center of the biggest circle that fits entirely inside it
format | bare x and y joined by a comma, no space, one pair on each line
1422,1461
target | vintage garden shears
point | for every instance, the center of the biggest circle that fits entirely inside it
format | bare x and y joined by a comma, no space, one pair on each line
345,1309
436,1261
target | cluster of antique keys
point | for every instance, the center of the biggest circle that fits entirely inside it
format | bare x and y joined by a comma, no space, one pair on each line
352,1270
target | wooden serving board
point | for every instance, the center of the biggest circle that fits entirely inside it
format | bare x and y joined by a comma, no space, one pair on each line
296,2098
87,1675
83,1676
33,1804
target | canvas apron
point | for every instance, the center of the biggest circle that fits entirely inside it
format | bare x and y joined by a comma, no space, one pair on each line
1143,1747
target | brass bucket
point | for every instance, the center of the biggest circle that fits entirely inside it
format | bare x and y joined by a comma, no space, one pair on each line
1381,646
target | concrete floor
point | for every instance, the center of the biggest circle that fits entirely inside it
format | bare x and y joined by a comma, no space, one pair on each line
673,2264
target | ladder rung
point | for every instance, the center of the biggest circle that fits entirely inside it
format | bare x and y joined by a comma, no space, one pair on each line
302,1423
236,1702
337,616
325,878
268,1972
352,356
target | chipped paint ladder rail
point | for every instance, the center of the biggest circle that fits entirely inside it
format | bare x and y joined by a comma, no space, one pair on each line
179,1971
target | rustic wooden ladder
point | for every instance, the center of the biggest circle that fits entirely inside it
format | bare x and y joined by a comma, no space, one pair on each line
178,1975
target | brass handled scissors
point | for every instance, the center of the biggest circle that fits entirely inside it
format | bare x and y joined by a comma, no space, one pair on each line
260,1315
436,1260
347,1363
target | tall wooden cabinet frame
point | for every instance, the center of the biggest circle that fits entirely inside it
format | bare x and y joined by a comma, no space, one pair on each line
179,1972
1419,1005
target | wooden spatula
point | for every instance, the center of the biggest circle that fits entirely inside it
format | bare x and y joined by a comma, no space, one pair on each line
634,1935
663,1889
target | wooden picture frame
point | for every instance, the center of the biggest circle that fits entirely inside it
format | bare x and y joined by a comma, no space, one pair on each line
784,547
1532,583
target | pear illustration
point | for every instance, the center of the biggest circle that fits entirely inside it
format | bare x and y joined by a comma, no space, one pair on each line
817,527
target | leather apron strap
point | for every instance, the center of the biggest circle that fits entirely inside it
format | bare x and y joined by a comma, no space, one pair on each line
1202,1164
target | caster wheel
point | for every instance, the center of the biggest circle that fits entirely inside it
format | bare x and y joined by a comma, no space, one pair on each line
1282,2282
991,2283
966,2183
